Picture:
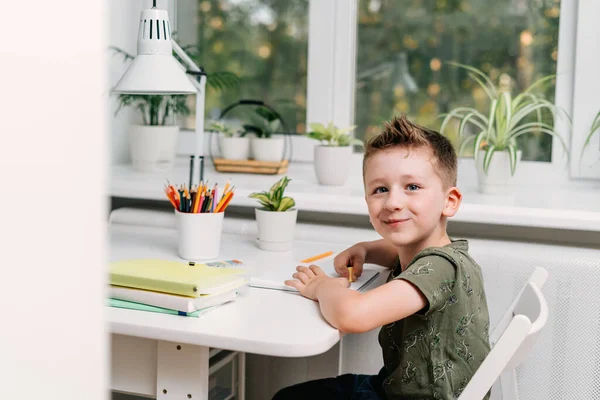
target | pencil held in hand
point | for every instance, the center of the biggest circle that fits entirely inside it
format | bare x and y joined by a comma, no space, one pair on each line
351,274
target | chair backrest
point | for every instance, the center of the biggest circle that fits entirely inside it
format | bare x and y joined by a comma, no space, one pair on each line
511,340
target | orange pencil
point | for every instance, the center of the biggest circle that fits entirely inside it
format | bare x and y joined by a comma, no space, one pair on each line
221,202
195,203
174,195
226,202
226,186
171,198
317,257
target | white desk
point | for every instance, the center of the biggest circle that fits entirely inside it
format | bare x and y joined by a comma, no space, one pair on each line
145,358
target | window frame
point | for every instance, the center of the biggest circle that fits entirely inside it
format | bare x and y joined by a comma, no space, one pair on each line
332,45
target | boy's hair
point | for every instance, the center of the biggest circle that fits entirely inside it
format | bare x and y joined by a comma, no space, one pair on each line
400,132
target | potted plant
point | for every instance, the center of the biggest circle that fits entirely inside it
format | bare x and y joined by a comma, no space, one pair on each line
234,145
276,219
153,143
332,155
495,148
265,147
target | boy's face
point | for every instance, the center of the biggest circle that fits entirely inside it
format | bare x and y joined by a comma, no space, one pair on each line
406,197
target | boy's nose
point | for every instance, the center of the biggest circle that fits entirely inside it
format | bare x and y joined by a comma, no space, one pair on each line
395,201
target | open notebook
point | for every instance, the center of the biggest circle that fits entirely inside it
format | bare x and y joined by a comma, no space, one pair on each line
274,277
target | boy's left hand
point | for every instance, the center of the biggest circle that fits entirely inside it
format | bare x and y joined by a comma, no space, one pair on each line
308,279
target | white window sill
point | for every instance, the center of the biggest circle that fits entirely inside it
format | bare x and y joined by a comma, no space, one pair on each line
569,207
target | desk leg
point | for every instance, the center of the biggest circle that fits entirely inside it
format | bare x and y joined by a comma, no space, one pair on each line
241,372
182,371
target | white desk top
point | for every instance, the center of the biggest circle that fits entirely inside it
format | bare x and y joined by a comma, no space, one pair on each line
262,321
541,207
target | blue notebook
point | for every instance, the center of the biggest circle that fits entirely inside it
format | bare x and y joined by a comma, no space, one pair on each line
145,307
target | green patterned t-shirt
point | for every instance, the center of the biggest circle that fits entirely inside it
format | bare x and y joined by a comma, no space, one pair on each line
434,353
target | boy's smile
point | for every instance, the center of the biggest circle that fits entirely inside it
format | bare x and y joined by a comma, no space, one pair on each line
407,200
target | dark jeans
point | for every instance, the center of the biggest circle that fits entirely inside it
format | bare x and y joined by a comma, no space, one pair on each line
343,387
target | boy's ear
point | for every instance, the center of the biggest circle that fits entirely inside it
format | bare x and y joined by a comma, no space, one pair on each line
453,200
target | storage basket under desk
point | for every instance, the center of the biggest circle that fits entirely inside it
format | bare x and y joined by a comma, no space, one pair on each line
226,378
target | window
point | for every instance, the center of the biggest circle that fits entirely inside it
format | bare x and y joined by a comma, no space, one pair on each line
362,61
403,46
263,42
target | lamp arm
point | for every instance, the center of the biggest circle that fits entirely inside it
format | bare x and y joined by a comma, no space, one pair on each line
179,51
200,84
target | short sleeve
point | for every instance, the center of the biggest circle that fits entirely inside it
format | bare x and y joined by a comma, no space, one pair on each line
431,274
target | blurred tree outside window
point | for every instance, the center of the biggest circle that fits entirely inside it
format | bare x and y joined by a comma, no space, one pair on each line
403,46
263,42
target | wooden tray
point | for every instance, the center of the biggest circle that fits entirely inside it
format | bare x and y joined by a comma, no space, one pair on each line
251,166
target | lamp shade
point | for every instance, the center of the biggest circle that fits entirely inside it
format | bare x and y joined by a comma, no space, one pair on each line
154,70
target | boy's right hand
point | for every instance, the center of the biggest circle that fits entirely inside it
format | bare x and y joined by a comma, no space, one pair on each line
353,256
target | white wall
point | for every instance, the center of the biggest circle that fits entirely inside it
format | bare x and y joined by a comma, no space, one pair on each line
52,196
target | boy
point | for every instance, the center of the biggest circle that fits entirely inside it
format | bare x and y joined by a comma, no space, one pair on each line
432,311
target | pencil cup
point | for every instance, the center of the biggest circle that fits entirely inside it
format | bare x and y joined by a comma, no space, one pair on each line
199,235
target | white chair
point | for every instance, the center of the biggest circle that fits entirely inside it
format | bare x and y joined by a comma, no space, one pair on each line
511,340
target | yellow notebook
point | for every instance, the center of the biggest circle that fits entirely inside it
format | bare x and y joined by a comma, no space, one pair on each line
186,279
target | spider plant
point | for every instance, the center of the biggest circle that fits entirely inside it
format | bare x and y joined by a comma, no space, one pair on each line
508,118
594,128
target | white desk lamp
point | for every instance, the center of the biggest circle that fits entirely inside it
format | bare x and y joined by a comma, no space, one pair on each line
154,70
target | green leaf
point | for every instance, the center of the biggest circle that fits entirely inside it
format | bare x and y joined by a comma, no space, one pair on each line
262,196
465,144
539,82
315,135
480,136
222,80
490,126
463,124
512,153
544,130
594,128
488,87
253,129
343,131
268,206
267,114
487,159
317,127
286,203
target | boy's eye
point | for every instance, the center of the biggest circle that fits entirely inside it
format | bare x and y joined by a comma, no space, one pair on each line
380,189
412,187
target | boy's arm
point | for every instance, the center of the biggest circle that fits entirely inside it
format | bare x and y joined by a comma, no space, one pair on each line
354,312
380,252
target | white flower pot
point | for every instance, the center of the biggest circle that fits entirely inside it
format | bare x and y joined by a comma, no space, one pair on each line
270,149
332,164
235,148
276,229
498,179
153,147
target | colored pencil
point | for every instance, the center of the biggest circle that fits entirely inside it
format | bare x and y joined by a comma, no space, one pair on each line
317,257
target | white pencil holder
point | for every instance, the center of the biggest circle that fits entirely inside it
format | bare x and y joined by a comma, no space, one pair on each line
199,235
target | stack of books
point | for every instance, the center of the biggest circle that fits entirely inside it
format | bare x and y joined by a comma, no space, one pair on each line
172,287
